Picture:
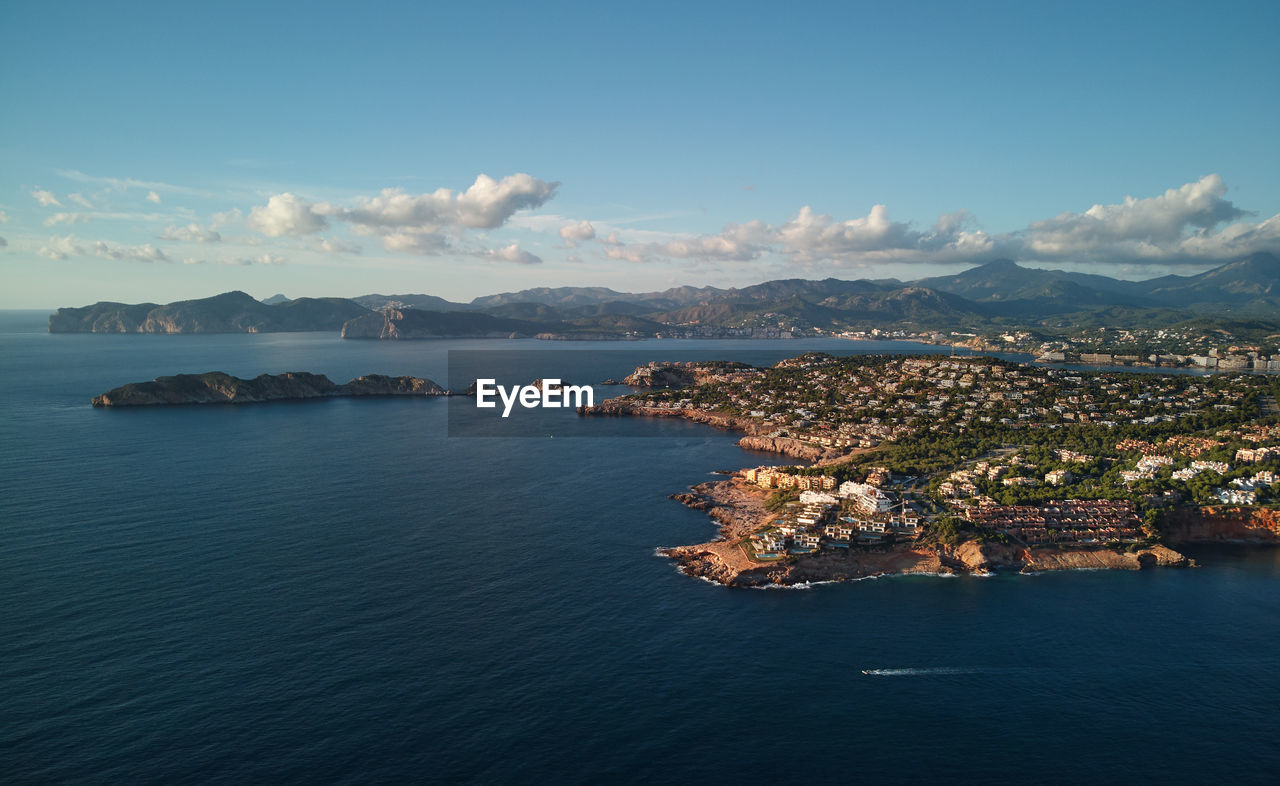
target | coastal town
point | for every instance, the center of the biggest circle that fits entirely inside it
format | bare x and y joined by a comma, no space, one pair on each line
1190,347
912,453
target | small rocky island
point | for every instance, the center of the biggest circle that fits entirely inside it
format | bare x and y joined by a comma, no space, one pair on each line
215,387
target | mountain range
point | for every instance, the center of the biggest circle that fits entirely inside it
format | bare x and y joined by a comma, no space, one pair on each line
1000,293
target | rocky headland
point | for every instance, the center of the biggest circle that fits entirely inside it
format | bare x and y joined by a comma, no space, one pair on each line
739,509
216,387
676,374
230,312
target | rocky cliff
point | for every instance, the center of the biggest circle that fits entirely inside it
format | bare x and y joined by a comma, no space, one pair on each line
739,509
216,387
974,557
230,312
1223,524
787,446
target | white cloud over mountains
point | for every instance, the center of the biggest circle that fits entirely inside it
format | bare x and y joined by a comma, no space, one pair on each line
735,243
1175,226
511,253
286,214
69,246
1180,226
1194,223
423,224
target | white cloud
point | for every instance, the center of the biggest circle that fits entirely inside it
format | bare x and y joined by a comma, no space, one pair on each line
122,184
810,235
1177,225
45,198
286,214
80,199
66,218
4,217
1182,225
335,245
396,209
735,243
68,246
408,223
153,197
488,203
410,243
143,253
191,233
60,248
220,220
265,259
511,253
573,234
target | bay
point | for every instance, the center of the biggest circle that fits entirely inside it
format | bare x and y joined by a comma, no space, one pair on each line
338,591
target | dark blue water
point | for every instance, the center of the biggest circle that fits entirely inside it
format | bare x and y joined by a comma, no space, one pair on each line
335,591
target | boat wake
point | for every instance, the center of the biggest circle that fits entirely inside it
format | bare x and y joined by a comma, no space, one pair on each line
925,672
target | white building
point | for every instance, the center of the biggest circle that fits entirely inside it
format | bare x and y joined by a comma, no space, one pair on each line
867,497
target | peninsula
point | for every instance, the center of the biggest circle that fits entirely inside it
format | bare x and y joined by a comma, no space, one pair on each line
215,387
939,465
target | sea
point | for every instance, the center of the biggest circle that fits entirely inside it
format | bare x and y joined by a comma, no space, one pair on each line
339,591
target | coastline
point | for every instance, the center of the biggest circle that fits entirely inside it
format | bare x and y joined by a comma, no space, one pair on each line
739,509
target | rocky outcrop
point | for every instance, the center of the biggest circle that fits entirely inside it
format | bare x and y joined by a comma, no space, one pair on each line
739,510
230,312
664,375
678,374
695,501
381,385
787,446
1223,525
216,387
974,557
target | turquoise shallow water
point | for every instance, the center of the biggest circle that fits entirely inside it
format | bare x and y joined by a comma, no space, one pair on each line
336,591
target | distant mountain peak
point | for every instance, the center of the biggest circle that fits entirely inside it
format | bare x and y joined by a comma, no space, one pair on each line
997,265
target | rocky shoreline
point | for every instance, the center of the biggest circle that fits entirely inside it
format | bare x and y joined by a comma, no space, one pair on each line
755,434
739,509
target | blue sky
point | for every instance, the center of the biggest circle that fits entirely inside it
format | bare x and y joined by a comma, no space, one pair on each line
156,152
